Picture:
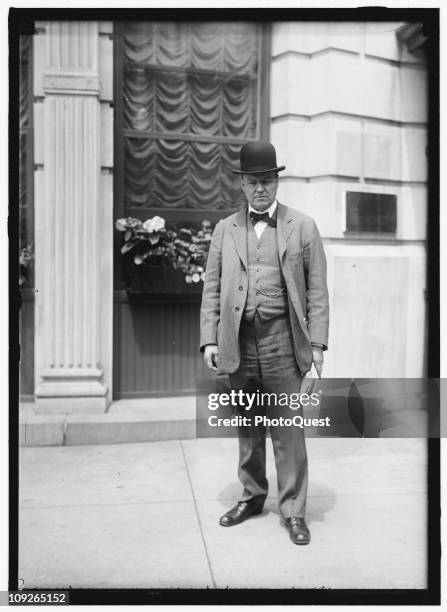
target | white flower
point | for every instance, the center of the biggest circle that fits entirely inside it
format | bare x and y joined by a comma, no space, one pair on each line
154,225
125,224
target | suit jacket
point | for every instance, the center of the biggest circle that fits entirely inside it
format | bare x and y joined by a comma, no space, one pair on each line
303,264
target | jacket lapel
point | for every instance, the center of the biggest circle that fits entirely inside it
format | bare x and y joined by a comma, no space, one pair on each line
239,233
284,229
283,233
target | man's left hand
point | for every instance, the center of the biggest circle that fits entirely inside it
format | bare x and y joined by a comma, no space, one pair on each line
317,356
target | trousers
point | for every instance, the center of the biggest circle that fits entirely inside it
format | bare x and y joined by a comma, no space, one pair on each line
268,364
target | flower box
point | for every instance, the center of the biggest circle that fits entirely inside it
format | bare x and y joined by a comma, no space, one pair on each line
160,260
151,280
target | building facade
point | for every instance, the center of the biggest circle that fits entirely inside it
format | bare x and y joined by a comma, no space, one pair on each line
144,119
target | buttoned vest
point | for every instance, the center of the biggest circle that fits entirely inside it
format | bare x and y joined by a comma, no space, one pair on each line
267,292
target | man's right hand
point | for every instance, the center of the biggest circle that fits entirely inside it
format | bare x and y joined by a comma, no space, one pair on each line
210,356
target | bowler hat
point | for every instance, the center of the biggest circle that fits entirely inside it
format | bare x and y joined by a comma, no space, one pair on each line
258,156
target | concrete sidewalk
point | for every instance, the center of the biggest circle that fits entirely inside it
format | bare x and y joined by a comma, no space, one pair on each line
146,515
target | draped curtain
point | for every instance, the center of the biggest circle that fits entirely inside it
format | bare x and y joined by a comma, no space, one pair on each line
190,100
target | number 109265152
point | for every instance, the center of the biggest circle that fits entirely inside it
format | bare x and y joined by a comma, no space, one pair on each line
37,598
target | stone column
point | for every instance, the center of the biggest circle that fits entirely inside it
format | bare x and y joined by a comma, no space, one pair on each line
73,288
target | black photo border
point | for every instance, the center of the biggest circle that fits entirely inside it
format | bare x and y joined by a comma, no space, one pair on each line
21,21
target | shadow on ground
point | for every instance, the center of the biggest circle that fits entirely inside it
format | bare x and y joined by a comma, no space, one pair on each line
320,501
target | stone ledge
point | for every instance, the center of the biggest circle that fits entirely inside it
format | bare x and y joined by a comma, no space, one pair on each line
127,421
114,432
41,430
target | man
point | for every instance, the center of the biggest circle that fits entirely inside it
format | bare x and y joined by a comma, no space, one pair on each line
264,316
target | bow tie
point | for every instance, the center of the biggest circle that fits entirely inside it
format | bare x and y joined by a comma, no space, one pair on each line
255,217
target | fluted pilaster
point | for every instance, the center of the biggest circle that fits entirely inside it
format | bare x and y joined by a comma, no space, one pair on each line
69,250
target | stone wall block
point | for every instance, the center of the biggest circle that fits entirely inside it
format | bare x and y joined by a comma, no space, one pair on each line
39,43
289,91
382,153
414,154
105,239
105,27
315,37
290,138
348,147
382,42
375,341
106,135
106,68
412,206
414,98
39,132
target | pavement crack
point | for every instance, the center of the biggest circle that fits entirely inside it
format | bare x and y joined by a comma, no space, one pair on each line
198,515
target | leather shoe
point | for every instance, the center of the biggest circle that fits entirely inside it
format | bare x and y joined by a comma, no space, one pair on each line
298,530
240,512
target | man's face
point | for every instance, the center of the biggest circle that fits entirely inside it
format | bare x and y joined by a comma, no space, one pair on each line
260,189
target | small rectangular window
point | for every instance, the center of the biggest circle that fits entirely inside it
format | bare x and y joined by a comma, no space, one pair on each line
372,213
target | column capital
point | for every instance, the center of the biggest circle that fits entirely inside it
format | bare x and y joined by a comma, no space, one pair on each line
71,47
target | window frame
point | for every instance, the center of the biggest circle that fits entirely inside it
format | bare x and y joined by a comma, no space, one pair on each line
368,234
185,214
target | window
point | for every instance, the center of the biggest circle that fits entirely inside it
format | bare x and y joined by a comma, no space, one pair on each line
188,96
371,213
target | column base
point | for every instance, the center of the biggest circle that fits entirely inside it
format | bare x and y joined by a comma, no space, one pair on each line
71,391
70,405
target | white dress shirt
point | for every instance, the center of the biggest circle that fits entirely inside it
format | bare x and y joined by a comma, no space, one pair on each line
260,226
